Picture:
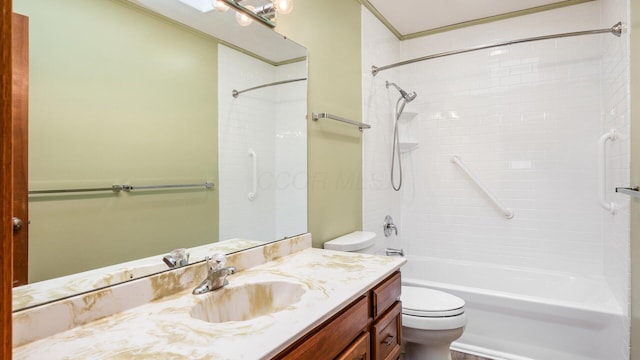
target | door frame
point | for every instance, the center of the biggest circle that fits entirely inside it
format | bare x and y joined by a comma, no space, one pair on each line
6,176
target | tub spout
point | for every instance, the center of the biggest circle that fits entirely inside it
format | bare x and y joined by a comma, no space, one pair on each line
390,252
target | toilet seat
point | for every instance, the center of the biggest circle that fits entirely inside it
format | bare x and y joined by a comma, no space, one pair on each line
424,302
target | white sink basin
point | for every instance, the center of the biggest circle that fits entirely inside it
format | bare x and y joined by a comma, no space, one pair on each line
247,301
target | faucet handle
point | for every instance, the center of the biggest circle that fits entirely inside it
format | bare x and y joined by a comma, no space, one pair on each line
216,261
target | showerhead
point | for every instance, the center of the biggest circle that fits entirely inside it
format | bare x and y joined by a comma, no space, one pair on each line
408,97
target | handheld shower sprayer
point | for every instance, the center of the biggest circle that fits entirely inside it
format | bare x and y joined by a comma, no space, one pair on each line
402,101
409,97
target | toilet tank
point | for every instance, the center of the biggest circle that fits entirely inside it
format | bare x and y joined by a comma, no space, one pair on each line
352,242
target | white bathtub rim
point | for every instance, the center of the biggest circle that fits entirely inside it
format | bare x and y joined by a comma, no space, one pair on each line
501,267
612,308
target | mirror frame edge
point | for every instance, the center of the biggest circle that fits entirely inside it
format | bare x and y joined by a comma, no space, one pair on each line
6,174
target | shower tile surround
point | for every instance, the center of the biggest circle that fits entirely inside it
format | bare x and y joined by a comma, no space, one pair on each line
100,323
526,120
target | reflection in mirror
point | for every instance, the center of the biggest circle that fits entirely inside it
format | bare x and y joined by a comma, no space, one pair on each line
119,95
262,146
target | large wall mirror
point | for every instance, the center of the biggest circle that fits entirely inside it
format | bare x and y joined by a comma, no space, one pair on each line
139,94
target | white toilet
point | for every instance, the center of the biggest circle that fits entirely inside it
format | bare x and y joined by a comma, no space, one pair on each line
431,319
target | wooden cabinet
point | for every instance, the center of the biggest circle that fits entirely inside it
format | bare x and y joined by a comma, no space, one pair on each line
386,334
368,328
360,349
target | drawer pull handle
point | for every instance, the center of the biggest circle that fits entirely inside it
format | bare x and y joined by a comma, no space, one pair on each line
389,340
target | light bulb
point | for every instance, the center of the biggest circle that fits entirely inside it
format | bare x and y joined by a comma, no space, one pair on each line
244,19
219,5
284,6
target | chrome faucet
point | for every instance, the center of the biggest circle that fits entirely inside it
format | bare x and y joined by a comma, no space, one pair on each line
216,274
389,226
177,258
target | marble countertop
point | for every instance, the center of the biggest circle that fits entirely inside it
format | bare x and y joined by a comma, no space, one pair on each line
165,329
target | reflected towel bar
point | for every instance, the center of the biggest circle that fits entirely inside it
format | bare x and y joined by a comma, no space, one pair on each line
615,30
508,213
360,125
119,188
235,92
114,188
207,185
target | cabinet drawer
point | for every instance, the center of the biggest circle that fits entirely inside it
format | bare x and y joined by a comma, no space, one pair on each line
332,337
387,334
358,350
385,294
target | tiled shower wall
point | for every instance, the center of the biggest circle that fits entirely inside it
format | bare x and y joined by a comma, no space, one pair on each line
616,115
270,121
526,120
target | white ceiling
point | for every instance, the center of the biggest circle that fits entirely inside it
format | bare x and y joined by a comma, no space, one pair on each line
413,16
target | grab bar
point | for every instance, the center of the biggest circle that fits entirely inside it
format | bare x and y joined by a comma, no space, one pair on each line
254,176
506,211
129,188
360,125
602,170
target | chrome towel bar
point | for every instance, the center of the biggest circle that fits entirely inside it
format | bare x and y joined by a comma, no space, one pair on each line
631,191
316,116
207,185
114,188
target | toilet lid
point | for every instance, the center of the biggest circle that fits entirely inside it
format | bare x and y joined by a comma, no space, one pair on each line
418,301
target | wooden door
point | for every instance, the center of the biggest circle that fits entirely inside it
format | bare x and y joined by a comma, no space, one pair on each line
6,179
20,116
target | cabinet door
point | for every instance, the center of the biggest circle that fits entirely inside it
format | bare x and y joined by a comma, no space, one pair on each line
335,335
358,350
387,334
386,294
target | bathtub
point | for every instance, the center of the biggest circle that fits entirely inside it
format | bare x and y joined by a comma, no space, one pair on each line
520,314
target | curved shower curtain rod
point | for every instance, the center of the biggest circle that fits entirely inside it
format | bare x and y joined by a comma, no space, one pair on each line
614,30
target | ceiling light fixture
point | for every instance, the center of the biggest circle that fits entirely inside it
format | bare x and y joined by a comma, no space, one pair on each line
283,6
243,18
265,13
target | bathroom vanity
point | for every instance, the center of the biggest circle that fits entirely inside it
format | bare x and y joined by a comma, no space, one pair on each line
368,328
287,301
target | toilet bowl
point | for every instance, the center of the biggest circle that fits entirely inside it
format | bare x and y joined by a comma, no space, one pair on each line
431,319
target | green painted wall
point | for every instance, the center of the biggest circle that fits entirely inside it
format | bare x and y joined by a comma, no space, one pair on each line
117,96
330,30
635,178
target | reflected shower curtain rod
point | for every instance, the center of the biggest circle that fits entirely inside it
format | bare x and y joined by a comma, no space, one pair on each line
235,92
614,30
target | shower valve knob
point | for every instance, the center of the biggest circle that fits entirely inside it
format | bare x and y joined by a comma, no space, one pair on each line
389,226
